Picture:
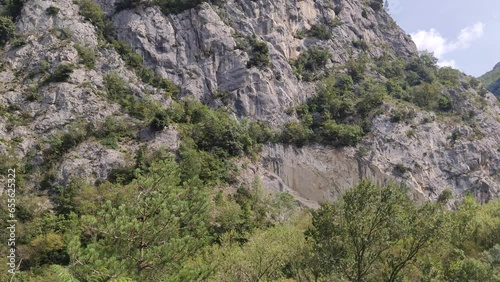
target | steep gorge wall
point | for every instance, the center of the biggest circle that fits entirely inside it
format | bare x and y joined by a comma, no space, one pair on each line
197,49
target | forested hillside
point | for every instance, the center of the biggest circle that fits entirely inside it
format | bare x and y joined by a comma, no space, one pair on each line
161,227
492,80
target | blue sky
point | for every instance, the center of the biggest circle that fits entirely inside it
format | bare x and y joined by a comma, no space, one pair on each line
462,34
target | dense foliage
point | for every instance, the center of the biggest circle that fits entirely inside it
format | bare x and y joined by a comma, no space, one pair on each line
311,63
347,99
491,80
163,227
7,30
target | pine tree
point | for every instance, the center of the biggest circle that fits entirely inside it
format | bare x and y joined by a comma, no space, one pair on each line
148,238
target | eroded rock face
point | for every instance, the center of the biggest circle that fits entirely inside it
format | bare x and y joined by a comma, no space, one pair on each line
38,109
198,48
425,154
90,161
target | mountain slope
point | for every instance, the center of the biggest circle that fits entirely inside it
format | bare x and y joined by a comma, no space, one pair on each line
178,140
492,80
250,57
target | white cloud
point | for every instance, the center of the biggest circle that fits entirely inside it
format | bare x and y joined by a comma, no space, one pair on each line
445,63
433,42
469,34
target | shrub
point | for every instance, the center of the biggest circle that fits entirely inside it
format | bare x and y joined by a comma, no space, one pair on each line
17,42
12,8
63,141
216,132
444,104
176,112
52,10
341,134
295,133
426,95
320,31
335,99
48,249
336,22
62,33
260,132
156,80
310,62
160,120
126,4
397,115
356,68
474,82
128,55
111,130
135,61
360,44
445,196
118,91
92,12
401,169
87,56
421,69
449,77
224,96
372,95
7,30
377,5
391,67
259,56
206,166
395,88
61,73
176,6
300,34
33,94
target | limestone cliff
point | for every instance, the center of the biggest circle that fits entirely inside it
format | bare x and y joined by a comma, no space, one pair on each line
200,51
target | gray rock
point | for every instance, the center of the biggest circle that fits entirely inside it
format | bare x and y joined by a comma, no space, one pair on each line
196,49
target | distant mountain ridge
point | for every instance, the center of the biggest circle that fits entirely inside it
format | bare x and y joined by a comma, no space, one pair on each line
491,80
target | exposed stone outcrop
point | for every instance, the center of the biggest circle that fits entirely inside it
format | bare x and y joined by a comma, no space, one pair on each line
420,153
37,109
199,50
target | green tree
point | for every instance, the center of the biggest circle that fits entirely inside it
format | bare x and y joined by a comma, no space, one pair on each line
7,30
310,62
150,236
371,232
92,12
262,258
259,55
295,133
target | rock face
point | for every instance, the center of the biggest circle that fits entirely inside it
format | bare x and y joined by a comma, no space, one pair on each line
36,109
420,154
200,51
198,48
